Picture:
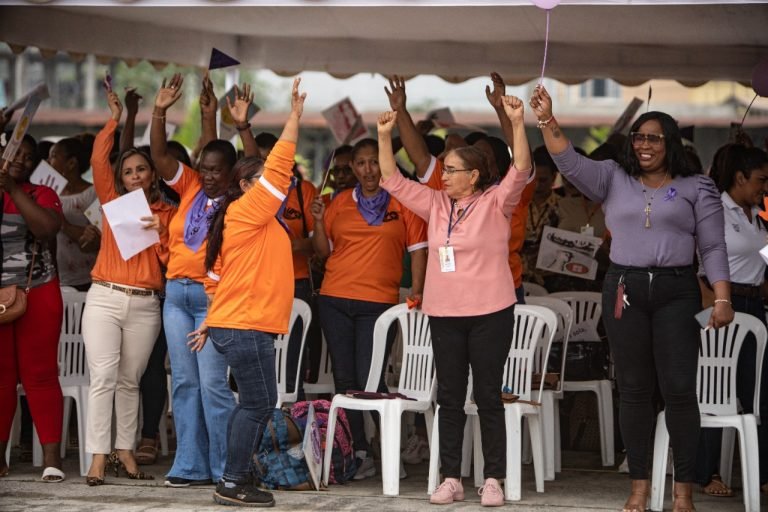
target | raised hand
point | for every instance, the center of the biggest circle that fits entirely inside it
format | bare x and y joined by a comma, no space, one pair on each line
208,101
297,98
113,100
132,99
541,103
170,93
396,95
243,100
499,89
513,107
317,209
386,122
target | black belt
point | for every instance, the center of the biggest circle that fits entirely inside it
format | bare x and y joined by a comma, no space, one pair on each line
128,291
746,290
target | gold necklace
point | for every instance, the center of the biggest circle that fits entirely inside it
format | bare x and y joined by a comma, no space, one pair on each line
648,202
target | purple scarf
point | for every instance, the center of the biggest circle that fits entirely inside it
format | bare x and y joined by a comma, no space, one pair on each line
373,208
197,221
281,210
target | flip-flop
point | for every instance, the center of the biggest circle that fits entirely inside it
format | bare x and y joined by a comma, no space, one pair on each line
53,475
717,488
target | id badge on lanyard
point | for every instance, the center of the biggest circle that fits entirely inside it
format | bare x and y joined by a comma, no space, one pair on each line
447,261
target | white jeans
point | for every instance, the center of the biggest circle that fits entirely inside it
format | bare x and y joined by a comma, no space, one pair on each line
119,331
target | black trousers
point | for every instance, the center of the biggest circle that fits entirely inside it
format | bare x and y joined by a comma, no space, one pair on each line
483,343
154,387
657,338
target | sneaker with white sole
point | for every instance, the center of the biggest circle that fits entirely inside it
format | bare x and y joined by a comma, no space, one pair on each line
416,450
365,469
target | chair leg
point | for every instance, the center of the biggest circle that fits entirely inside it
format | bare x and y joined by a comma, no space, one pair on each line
537,448
726,454
659,472
605,410
434,454
82,407
750,465
65,425
329,435
390,419
512,482
557,446
527,456
37,449
548,414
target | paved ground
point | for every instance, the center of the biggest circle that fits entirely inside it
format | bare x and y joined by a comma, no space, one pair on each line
582,486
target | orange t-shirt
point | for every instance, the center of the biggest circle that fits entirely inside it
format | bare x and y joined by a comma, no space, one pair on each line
433,178
144,269
183,262
255,288
292,216
366,261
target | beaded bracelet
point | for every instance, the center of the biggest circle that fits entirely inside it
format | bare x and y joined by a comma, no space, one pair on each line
241,127
723,300
542,124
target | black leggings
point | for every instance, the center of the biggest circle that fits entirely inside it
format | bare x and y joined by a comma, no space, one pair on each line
481,342
656,338
154,388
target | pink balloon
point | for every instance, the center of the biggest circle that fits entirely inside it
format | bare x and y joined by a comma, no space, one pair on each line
546,4
760,78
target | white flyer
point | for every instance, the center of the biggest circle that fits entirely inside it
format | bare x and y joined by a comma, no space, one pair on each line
312,447
124,216
46,175
93,213
569,253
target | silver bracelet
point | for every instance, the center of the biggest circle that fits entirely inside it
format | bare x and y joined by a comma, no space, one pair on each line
541,124
727,301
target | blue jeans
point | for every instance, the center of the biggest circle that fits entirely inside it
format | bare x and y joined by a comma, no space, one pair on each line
710,439
202,400
348,328
251,358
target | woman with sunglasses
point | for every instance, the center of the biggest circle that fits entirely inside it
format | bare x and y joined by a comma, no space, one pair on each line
121,320
659,212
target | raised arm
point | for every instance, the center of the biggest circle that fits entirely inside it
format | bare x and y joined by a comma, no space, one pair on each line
239,111
209,105
291,128
165,163
103,177
554,138
131,109
387,163
512,107
496,99
413,141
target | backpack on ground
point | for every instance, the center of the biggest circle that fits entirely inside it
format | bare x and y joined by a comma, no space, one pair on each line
279,461
343,463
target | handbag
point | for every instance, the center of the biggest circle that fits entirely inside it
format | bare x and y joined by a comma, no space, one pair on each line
13,300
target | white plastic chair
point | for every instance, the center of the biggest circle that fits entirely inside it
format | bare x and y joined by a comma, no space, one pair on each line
533,331
534,289
324,384
718,404
301,310
550,400
416,381
587,308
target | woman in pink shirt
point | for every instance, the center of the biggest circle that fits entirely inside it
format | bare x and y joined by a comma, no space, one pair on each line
469,292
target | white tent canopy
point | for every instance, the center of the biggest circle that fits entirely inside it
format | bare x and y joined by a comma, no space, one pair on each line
629,41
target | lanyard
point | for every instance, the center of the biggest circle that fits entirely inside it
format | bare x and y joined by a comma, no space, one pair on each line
453,225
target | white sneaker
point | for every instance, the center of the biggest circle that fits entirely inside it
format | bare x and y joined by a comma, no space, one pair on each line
624,466
366,469
416,450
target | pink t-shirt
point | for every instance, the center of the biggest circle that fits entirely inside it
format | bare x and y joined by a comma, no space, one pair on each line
482,282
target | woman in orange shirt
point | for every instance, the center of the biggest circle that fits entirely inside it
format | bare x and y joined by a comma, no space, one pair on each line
364,234
121,320
250,252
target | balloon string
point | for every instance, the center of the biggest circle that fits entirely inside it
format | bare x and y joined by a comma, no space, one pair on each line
749,107
546,45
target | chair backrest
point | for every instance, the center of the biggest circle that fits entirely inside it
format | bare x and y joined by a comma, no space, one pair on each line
74,305
718,357
534,289
301,310
73,366
528,336
587,308
417,370
564,324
